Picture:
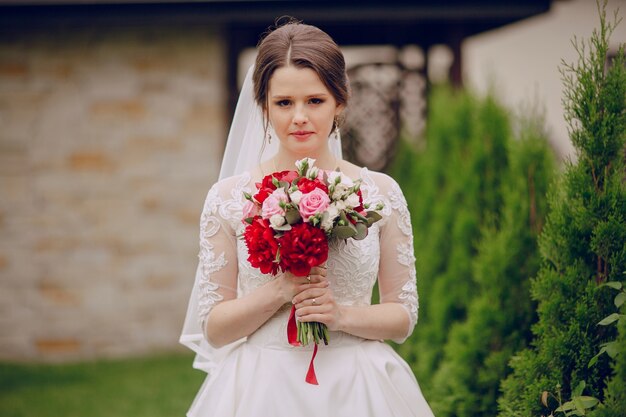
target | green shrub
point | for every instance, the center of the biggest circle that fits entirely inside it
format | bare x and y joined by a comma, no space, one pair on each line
499,317
583,243
453,190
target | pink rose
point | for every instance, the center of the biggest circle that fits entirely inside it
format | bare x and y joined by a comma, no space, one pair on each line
313,203
249,210
271,205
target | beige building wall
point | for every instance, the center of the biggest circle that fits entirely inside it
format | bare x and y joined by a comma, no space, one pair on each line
109,141
520,62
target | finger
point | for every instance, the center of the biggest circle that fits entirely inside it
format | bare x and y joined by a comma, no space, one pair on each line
316,316
319,270
303,287
312,278
305,298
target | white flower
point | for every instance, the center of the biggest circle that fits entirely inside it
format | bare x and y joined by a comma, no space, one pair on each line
312,172
329,217
340,191
309,161
334,177
296,196
277,220
339,205
352,200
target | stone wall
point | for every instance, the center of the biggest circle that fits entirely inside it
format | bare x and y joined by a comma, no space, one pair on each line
109,141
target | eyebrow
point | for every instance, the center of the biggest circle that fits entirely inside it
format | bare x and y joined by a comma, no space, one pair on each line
309,96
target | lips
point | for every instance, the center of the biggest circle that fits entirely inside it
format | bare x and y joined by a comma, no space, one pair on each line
301,134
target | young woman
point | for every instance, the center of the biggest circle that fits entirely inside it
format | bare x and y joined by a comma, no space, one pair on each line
237,317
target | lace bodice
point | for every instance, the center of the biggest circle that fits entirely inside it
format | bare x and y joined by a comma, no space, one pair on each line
386,254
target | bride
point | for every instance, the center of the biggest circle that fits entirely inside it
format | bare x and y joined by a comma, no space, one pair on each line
290,108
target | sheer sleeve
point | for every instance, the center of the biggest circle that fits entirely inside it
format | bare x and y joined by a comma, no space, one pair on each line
216,274
396,278
217,256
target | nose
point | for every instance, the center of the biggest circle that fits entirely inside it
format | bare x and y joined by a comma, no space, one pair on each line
299,116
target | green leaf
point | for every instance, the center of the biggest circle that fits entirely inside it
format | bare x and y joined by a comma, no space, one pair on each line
588,402
568,406
284,228
612,348
361,231
293,216
609,319
619,299
593,360
344,232
358,216
578,391
583,403
373,217
613,284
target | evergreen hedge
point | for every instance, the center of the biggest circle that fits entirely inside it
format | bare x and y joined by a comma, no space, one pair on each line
452,190
499,316
470,178
583,245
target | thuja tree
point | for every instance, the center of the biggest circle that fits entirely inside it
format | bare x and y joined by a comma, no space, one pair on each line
615,393
499,317
453,190
583,243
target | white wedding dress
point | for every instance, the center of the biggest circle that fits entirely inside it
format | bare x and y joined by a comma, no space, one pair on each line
263,375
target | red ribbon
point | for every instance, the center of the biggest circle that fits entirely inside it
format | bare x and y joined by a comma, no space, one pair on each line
292,337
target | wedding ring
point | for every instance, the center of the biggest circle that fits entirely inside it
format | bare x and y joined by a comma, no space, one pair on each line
314,301
308,277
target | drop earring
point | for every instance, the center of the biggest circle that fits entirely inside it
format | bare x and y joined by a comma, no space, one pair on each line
268,136
336,130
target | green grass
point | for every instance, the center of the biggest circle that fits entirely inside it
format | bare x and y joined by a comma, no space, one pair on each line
155,386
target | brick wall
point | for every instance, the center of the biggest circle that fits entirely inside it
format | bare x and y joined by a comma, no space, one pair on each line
109,140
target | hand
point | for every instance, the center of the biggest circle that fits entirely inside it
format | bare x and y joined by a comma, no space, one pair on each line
289,285
318,304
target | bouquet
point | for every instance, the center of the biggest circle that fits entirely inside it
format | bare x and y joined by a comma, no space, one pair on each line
290,220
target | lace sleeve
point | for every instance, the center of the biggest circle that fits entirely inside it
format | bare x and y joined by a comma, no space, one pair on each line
217,269
396,277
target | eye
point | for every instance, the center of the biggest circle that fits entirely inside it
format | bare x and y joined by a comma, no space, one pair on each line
283,103
316,101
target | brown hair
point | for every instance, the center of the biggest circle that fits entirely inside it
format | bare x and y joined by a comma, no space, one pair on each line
303,46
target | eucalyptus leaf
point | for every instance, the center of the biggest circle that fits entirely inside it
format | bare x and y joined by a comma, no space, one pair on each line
293,216
374,216
359,216
284,228
344,232
361,231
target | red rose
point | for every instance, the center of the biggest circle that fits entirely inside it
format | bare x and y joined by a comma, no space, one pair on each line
302,248
266,186
262,245
306,185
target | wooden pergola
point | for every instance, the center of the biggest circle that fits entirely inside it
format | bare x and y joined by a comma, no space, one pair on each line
351,22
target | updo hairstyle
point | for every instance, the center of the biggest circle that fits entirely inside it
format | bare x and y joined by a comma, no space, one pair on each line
303,46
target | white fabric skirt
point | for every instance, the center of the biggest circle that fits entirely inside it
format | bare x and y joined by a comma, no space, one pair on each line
357,378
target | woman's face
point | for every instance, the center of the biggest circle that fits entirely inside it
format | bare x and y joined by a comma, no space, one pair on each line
301,110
